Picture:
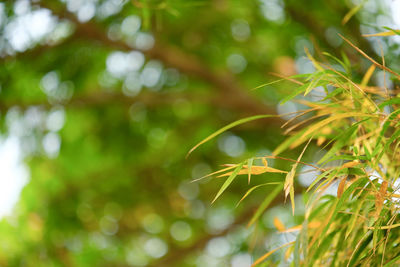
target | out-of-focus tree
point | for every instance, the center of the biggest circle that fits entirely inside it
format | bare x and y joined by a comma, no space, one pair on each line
101,100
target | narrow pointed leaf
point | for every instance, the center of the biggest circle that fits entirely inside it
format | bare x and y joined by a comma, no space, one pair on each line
252,189
266,255
264,205
249,165
229,126
228,181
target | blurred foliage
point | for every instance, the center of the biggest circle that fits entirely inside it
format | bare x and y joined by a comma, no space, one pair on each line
103,99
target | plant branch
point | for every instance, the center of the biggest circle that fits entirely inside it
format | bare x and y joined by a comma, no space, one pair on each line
227,86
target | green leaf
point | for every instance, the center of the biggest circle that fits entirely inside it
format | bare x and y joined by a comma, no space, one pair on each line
268,199
395,100
386,125
367,153
228,181
392,261
304,88
323,246
229,126
328,174
285,144
359,250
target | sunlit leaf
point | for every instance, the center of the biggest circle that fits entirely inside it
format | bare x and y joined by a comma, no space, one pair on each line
264,205
279,225
228,181
265,256
229,126
352,12
253,188
249,166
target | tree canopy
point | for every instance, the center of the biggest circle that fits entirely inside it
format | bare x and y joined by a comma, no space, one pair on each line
101,101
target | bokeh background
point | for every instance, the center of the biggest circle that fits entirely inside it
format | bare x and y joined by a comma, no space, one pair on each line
100,100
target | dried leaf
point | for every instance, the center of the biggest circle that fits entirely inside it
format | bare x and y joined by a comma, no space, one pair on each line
380,197
341,186
368,75
370,59
249,166
254,170
279,225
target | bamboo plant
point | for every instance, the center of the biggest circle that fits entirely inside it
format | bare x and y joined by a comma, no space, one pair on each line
357,124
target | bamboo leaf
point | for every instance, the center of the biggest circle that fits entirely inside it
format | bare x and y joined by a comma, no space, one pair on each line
229,126
342,139
341,186
289,141
228,181
219,171
358,250
289,181
266,255
249,165
351,13
279,225
387,33
380,197
368,75
324,122
394,100
254,170
268,199
386,227
252,189
392,261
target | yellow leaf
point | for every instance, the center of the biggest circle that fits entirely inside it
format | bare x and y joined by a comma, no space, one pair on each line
288,253
265,162
252,189
249,166
351,13
384,227
388,33
311,225
312,59
279,225
380,197
320,140
266,255
326,121
254,170
289,181
208,175
350,164
369,58
341,186
368,75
